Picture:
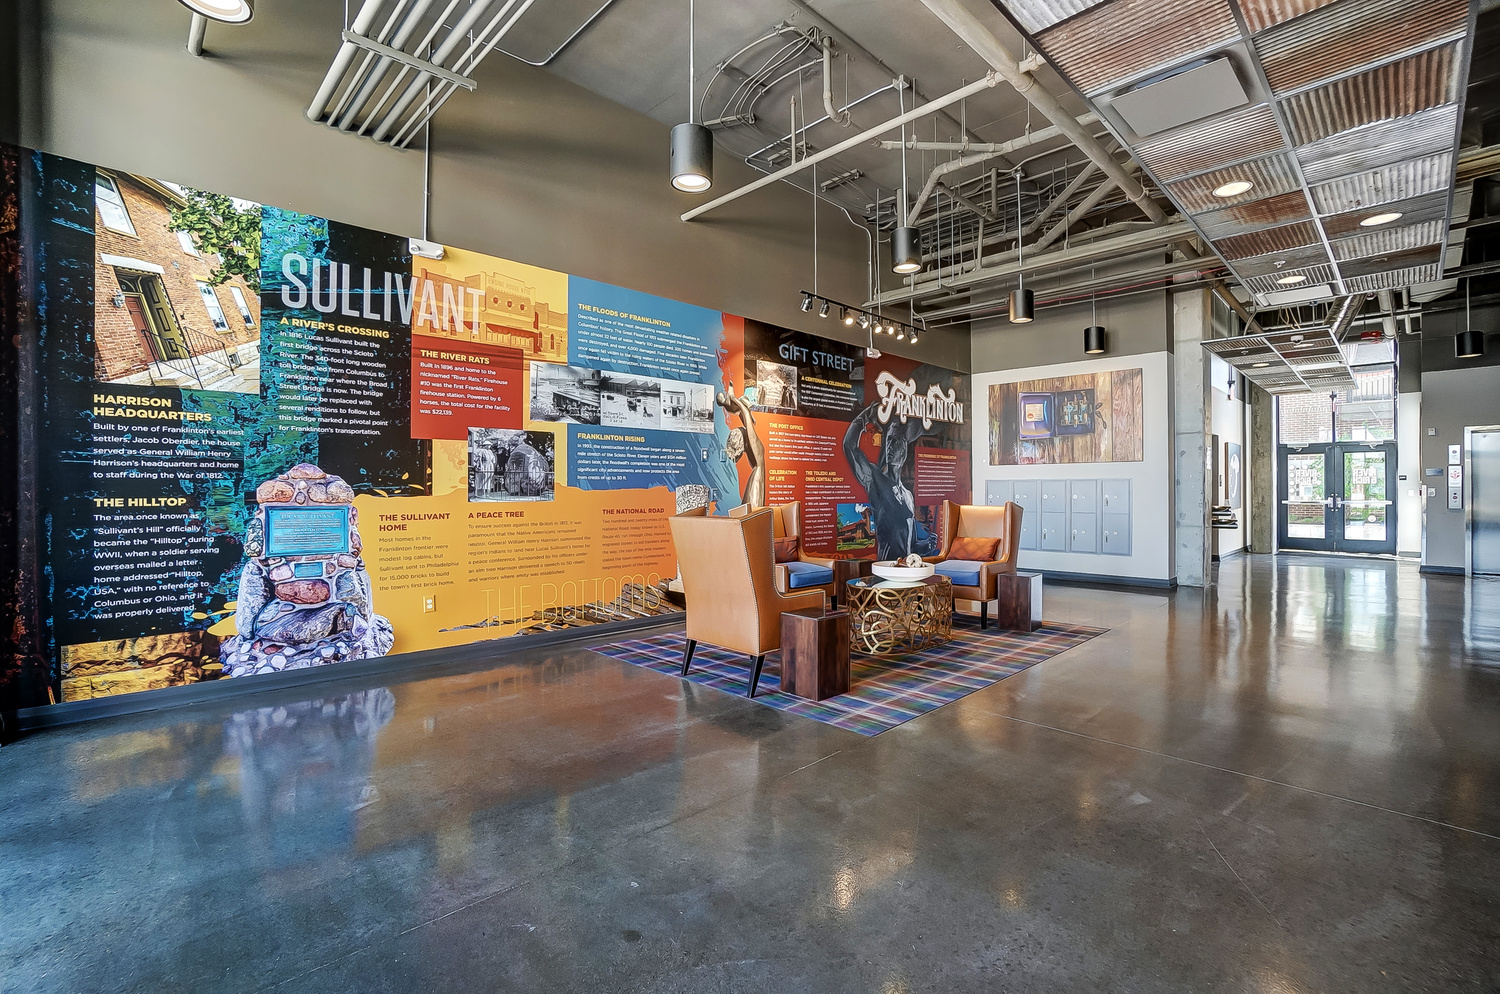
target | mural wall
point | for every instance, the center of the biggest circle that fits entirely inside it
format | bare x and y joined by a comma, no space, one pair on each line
277,441
1093,417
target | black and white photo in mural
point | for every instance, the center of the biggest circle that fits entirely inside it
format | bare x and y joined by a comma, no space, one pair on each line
507,464
567,394
630,401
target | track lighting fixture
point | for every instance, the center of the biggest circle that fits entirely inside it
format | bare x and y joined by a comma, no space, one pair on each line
227,11
849,316
692,155
1022,300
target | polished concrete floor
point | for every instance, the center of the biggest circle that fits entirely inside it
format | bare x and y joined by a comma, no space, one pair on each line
1288,784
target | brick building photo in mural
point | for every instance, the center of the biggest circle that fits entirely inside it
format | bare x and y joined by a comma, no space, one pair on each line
166,311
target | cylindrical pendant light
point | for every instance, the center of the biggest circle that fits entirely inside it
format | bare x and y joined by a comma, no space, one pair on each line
227,11
1470,343
692,145
906,250
906,243
1022,300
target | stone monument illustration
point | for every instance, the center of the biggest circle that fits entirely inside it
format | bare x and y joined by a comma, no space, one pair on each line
305,596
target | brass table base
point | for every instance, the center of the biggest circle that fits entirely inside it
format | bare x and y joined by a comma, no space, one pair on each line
895,620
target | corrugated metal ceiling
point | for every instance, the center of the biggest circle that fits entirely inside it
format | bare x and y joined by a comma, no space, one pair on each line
1354,108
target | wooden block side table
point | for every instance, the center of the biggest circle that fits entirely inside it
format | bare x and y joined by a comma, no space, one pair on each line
815,653
845,570
1019,601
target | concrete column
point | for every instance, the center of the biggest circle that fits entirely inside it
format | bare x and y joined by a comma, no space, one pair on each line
1191,320
1262,468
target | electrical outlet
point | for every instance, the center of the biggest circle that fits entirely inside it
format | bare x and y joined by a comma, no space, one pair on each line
429,603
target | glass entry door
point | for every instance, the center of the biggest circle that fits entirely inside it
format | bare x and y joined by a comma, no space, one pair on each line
1338,498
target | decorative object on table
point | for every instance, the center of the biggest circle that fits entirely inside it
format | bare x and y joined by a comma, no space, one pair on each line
895,573
815,653
883,691
967,530
305,597
1018,599
729,581
891,618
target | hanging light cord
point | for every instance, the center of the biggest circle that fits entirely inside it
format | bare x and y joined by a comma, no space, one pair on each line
692,66
1020,256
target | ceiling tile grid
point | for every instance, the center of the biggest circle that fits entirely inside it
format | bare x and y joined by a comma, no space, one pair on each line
1361,120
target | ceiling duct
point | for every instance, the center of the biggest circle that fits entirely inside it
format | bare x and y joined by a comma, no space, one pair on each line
1351,110
401,60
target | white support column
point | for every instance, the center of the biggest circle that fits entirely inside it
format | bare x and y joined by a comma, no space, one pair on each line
1191,321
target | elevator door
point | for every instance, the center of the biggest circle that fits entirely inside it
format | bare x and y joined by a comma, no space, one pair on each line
1484,508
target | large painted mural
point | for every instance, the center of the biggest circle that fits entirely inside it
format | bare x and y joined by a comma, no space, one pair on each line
278,441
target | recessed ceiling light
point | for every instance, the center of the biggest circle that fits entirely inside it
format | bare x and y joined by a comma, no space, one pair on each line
1233,189
1259,365
1375,219
1293,278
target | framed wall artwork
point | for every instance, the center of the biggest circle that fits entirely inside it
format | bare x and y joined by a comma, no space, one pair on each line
1094,417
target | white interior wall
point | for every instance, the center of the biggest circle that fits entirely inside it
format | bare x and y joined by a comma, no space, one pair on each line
1228,420
1409,503
1150,479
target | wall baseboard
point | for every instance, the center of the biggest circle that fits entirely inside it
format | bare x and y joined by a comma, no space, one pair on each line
417,665
1443,570
1103,580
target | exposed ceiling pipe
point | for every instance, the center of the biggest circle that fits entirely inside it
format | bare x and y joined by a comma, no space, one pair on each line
1387,302
1344,314
962,22
1088,204
852,104
983,212
983,155
850,45
567,41
962,93
1128,244
1048,293
372,77
841,117
435,99
341,60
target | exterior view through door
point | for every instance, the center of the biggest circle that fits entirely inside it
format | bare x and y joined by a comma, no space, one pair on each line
1336,471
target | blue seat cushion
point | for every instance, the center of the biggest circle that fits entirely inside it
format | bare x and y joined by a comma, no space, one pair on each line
961,572
807,575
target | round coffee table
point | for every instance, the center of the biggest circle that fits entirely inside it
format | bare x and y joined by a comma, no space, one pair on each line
892,617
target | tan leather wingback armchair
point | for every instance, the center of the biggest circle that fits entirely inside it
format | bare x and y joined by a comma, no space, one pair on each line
971,580
805,572
727,578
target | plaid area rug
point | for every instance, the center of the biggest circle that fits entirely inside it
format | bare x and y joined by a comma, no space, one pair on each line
884,691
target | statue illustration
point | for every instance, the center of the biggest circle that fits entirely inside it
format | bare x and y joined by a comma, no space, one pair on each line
305,596
743,441
892,503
